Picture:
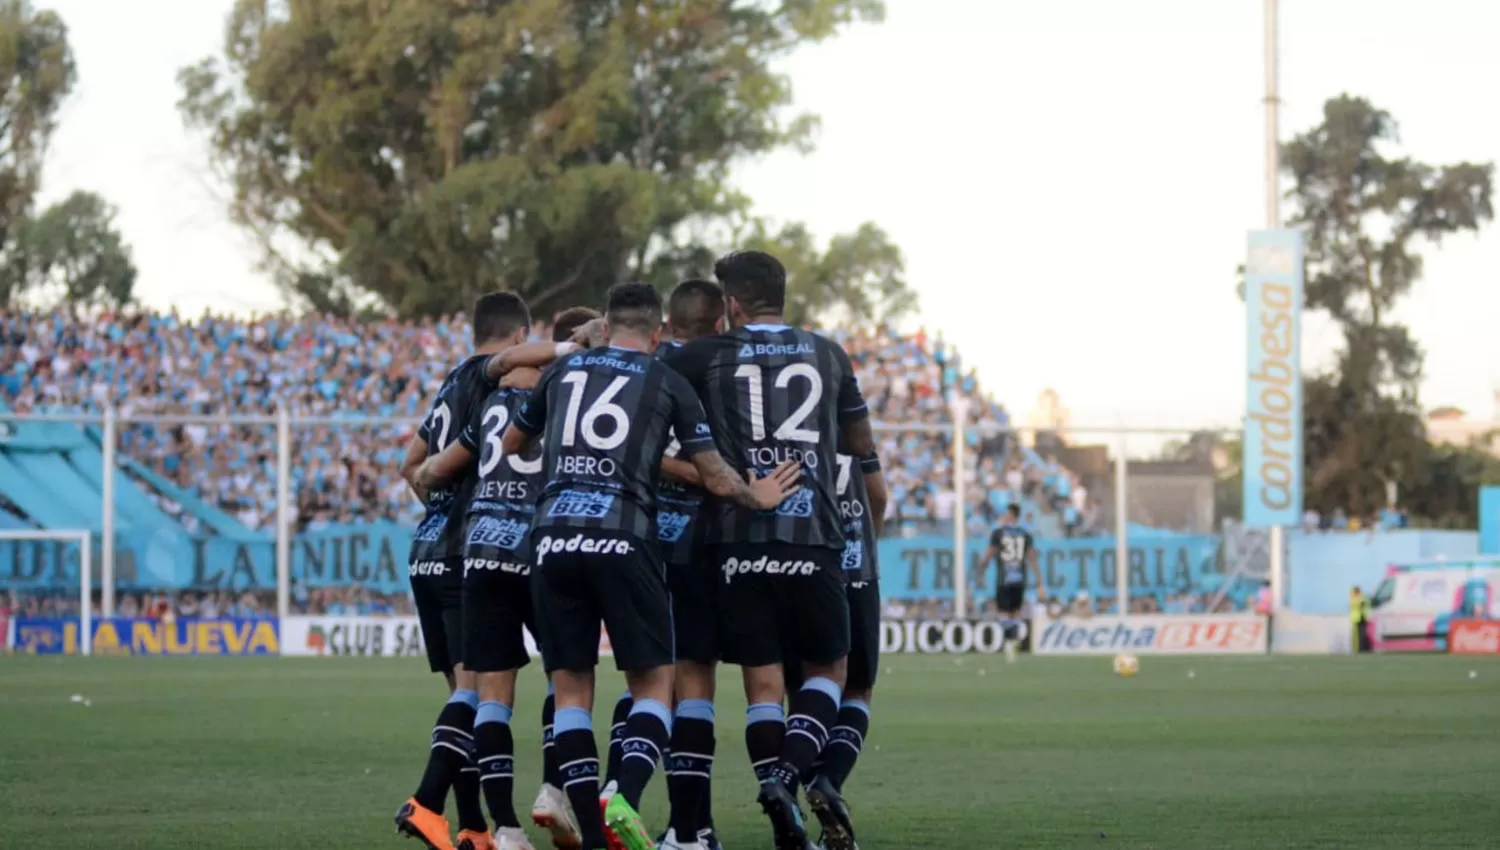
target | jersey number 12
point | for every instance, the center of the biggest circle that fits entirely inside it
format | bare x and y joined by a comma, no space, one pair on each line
794,429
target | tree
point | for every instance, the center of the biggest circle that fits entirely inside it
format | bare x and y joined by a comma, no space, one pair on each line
36,74
860,279
70,255
1365,213
414,154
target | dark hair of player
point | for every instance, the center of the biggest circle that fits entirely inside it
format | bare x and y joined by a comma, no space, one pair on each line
571,320
634,307
1014,510
755,279
695,307
498,315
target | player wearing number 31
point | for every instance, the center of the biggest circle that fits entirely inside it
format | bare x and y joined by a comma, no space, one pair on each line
606,417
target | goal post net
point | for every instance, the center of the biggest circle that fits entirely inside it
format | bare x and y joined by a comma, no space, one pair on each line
81,539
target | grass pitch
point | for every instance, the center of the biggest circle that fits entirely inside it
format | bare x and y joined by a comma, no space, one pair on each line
967,752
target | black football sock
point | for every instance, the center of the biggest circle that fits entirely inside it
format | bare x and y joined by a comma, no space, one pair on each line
765,729
813,709
692,764
845,742
496,748
647,731
452,740
617,738
549,752
466,798
578,763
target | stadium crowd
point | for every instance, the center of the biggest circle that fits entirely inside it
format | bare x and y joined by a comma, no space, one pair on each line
356,388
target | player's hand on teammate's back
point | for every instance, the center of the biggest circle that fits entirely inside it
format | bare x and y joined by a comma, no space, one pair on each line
521,378
776,486
590,334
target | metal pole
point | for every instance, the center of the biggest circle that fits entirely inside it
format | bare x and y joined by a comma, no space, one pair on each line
959,410
1122,534
283,513
1273,221
107,511
85,611
1273,105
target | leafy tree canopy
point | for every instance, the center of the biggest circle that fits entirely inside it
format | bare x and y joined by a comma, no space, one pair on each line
70,255
1366,212
412,154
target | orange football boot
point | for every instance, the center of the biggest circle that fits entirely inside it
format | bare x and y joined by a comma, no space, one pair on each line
417,821
470,840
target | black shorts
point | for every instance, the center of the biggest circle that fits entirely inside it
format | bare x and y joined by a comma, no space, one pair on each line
777,599
584,576
497,607
696,626
1010,597
864,641
437,594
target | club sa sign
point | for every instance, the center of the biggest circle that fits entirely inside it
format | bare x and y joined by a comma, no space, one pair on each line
946,636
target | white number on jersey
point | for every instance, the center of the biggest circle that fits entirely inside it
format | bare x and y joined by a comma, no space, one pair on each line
794,428
441,419
846,471
602,408
1012,549
494,423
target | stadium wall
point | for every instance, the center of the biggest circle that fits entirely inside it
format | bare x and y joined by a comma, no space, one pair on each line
1322,567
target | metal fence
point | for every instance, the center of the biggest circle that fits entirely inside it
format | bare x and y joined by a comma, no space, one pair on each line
311,510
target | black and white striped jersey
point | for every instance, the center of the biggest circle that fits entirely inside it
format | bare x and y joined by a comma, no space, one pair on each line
677,504
607,416
439,535
774,393
859,562
505,489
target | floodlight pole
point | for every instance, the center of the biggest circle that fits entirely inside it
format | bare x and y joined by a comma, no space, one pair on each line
1273,221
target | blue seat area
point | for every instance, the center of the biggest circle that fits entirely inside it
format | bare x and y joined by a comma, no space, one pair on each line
50,470
11,522
35,496
213,519
133,508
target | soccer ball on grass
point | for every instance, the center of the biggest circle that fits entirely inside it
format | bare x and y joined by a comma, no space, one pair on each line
1127,665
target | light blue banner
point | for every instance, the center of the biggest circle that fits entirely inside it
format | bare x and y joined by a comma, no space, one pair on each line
374,556
1273,379
1162,564
1489,520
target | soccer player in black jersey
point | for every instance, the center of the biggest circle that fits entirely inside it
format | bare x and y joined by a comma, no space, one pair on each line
695,310
862,503
774,394
501,320
1014,551
607,415
497,594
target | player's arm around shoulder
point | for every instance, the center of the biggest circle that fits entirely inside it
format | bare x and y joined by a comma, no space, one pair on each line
527,425
527,355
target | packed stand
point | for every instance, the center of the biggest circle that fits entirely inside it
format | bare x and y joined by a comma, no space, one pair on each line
364,385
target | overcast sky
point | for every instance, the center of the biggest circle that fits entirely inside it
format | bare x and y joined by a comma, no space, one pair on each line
1071,181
